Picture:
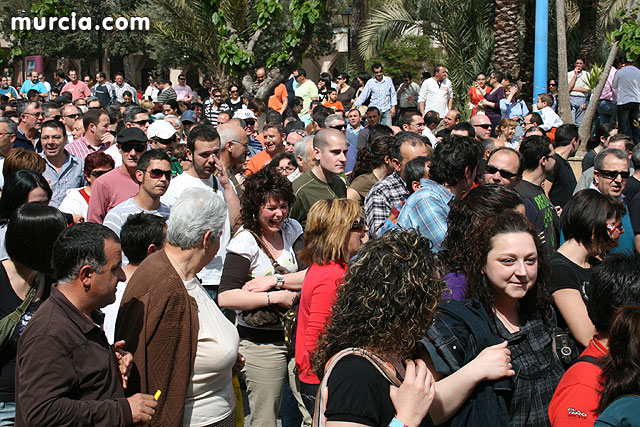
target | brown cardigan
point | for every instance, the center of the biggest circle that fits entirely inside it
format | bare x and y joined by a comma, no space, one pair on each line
159,322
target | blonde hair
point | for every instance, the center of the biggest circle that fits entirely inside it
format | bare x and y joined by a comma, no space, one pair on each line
328,225
147,105
505,124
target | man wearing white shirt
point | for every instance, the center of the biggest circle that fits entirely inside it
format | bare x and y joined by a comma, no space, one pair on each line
627,83
578,90
431,122
436,92
203,147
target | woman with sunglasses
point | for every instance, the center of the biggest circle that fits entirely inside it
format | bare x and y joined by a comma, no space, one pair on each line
591,223
76,202
346,92
333,235
260,279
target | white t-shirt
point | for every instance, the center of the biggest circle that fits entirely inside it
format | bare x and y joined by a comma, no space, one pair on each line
436,96
74,203
245,245
115,154
210,393
627,82
581,82
432,138
111,313
211,273
117,216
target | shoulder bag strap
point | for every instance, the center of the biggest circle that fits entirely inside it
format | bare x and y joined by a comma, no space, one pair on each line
276,266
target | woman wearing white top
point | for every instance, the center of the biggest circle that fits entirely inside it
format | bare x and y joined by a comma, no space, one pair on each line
261,277
77,199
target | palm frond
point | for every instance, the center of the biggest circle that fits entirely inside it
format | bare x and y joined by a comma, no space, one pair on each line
389,21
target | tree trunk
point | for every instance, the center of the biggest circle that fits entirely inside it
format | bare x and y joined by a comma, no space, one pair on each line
358,20
129,64
588,25
505,54
526,63
564,107
585,127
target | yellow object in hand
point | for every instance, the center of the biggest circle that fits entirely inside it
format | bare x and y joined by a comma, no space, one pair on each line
157,395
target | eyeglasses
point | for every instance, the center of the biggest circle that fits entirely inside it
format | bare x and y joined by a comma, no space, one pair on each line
613,228
339,127
358,224
613,174
56,117
166,141
553,84
181,78
97,174
245,145
285,169
72,116
503,173
217,96
127,147
250,122
233,91
159,173
483,126
36,114
142,122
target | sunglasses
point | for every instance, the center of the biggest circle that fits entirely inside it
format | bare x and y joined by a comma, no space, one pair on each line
97,174
612,228
126,147
56,117
483,126
553,84
233,91
142,122
505,174
167,141
613,174
250,122
358,224
339,127
72,116
159,173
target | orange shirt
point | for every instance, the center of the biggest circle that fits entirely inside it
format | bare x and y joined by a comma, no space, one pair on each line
275,100
257,162
337,106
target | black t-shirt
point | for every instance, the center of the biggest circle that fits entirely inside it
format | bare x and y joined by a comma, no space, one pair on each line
634,213
632,188
359,393
234,105
203,93
9,301
564,182
588,160
565,274
550,221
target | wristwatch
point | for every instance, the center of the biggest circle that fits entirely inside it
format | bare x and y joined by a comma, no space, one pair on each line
279,281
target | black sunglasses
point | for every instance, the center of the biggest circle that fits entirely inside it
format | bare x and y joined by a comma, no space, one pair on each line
142,122
98,174
72,116
339,127
56,117
613,174
505,174
484,126
158,173
167,141
127,147
358,224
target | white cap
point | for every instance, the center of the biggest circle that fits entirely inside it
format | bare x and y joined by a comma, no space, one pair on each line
244,114
161,129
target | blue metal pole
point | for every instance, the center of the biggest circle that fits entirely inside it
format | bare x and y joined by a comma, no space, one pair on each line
541,47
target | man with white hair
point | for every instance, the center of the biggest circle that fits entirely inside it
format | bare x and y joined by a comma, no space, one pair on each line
234,149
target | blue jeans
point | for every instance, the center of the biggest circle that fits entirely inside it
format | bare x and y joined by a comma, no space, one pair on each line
308,393
576,108
627,113
386,118
7,414
607,111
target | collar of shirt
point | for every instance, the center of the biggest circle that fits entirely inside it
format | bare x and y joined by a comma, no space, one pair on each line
83,323
593,187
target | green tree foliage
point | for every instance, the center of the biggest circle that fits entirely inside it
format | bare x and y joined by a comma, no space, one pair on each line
628,36
411,53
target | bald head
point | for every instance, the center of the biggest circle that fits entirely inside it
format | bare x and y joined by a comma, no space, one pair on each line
330,152
233,144
325,137
482,125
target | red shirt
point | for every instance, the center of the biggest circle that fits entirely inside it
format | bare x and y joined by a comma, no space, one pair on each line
318,295
577,395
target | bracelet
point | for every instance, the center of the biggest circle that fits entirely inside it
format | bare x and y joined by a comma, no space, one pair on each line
268,300
396,423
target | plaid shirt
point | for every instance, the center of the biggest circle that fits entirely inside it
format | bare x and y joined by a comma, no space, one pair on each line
538,370
81,148
385,194
426,211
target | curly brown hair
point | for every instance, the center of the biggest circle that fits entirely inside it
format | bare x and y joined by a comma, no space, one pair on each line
535,302
259,187
388,299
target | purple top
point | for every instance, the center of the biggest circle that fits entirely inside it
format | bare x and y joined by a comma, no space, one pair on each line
494,113
457,284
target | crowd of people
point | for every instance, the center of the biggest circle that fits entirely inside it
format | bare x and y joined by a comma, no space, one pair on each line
344,254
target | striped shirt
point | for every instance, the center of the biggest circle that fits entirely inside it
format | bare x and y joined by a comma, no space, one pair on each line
117,216
211,112
383,94
81,148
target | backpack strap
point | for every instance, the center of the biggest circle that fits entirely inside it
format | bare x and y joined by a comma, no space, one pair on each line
589,359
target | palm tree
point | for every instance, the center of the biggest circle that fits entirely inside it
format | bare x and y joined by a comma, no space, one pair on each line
506,55
462,28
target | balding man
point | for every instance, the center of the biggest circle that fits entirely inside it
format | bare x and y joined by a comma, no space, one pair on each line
322,181
304,155
234,149
482,125
451,119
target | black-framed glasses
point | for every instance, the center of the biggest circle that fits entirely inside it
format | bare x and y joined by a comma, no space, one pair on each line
167,141
483,126
286,169
339,127
127,147
98,174
503,173
142,122
358,224
613,174
72,116
159,173
250,122
553,84
56,117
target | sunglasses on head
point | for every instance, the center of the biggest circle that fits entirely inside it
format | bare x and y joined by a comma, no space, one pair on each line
97,174
358,224
613,174
159,173
505,174
127,147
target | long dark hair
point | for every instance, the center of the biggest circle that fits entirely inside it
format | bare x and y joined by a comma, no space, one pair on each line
537,300
372,156
601,131
621,367
16,191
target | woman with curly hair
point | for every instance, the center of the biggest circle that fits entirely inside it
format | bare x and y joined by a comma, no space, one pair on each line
373,163
383,309
260,279
620,397
466,215
509,275
333,235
